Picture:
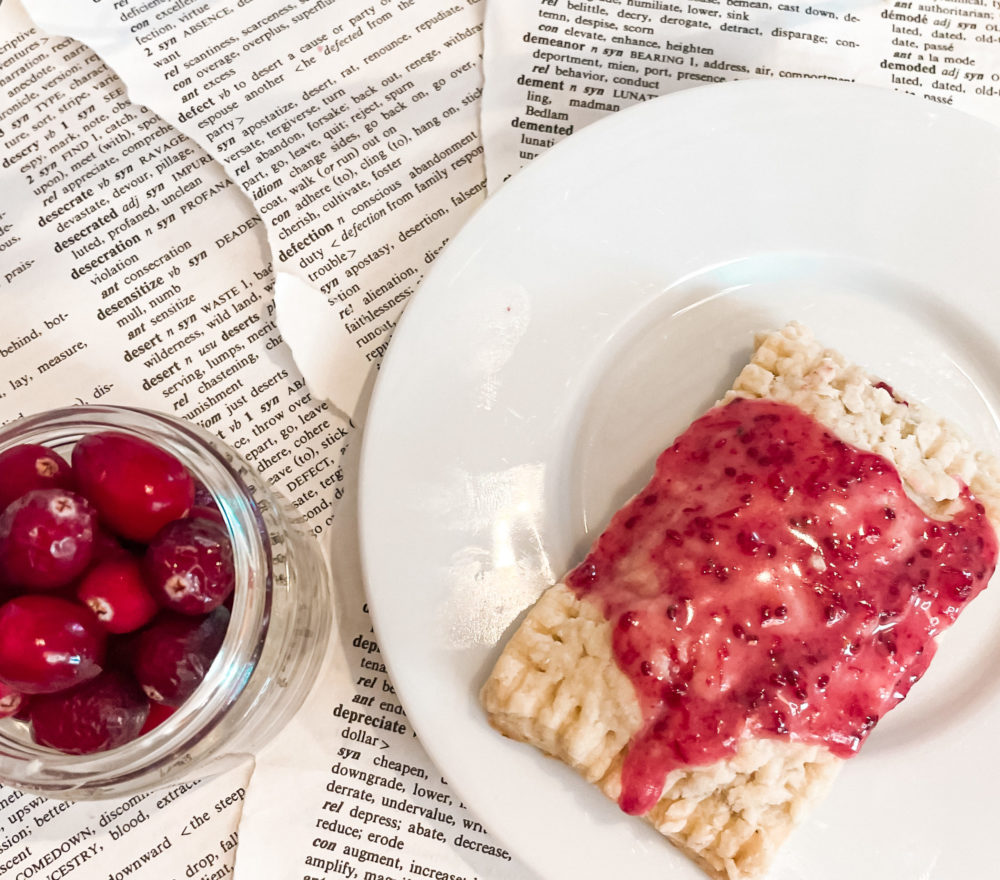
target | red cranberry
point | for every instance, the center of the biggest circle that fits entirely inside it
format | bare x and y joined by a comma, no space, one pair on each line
136,487
106,546
103,713
31,466
212,513
48,644
158,713
203,496
12,701
46,539
117,594
174,652
189,565
205,504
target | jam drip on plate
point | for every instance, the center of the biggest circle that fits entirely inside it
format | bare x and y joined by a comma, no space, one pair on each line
772,580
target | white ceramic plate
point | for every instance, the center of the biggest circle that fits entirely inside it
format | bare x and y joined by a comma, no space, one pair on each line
604,298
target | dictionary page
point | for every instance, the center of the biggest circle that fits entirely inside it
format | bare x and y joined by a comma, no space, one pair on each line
554,66
352,126
111,293
347,787
387,147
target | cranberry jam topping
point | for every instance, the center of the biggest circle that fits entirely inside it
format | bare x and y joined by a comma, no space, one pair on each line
772,580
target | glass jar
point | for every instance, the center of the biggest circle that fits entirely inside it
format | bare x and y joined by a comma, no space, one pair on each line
279,627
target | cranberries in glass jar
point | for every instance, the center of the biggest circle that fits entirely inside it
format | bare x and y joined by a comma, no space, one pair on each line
281,606
96,559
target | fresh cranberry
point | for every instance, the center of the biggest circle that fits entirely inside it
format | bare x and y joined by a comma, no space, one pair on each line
121,648
189,565
31,466
212,513
158,713
203,496
205,503
174,652
48,644
12,701
106,546
137,487
103,713
46,538
117,594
